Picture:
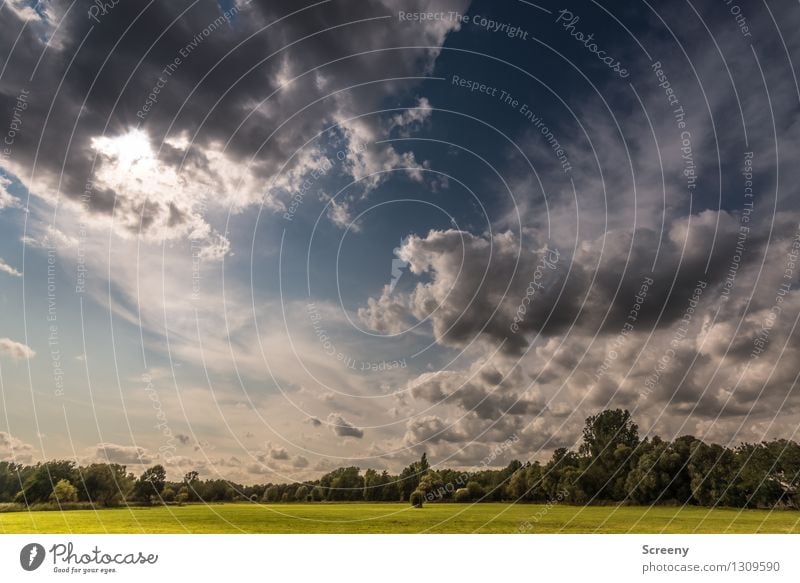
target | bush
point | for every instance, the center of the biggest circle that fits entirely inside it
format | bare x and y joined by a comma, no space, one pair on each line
416,498
182,496
272,494
63,492
476,491
462,495
168,495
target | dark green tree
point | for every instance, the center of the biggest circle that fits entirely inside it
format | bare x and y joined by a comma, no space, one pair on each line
150,485
40,482
714,480
610,439
411,476
105,484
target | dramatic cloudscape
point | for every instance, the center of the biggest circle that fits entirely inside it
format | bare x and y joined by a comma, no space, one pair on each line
264,239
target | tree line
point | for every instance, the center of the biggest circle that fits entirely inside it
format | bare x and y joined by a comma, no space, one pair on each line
612,465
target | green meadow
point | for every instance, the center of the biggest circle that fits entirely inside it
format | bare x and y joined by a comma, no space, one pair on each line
401,518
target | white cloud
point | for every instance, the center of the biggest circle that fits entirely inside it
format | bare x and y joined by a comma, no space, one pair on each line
7,200
14,449
16,350
6,268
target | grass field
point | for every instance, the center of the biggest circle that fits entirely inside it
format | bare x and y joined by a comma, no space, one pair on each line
400,518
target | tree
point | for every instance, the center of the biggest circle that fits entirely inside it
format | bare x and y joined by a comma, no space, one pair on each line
40,482
609,440
105,484
424,466
760,484
416,498
475,490
272,494
462,495
373,485
432,485
411,475
191,479
526,484
556,474
150,484
660,472
391,487
215,490
301,494
182,496
712,469
168,495
604,431
344,484
11,479
63,492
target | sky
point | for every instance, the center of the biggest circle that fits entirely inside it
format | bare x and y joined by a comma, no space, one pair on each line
265,239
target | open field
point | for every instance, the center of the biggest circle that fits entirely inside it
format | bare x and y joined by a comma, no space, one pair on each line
400,518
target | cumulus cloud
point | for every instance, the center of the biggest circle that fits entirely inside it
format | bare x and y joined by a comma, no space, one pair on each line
431,429
342,427
279,453
122,454
300,462
554,306
159,184
16,350
15,449
507,292
258,469
694,342
484,390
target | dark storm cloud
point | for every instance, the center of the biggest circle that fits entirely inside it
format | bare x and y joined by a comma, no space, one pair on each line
95,78
505,293
718,350
489,393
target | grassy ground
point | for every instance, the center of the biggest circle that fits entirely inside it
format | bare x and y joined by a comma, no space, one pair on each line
400,518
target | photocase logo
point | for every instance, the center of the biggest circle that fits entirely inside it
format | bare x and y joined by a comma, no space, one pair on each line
398,265
31,556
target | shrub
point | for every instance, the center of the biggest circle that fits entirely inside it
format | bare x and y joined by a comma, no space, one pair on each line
64,491
476,491
272,494
168,495
462,495
182,496
416,498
